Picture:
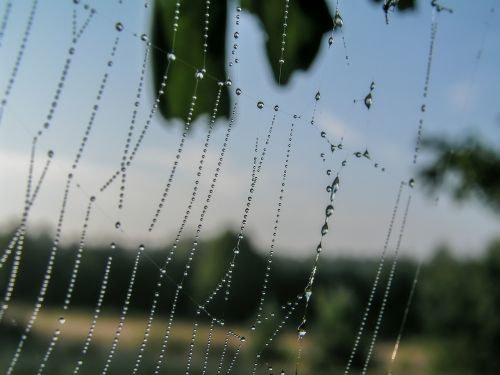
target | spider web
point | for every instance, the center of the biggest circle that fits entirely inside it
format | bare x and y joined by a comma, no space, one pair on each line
102,164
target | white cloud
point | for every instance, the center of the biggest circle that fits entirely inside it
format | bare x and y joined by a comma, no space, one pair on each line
334,127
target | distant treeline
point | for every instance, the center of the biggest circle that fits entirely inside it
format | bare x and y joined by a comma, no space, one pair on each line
457,300
288,276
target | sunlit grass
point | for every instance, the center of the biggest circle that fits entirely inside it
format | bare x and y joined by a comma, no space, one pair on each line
413,356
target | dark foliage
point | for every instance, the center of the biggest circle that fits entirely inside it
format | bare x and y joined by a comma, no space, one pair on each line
308,22
467,168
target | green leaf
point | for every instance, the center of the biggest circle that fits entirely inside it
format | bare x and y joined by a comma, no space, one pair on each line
307,22
188,49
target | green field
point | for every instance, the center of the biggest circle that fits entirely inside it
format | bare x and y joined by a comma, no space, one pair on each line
412,358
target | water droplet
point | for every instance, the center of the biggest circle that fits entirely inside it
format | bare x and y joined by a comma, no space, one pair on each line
308,293
301,331
344,162
171,56
112,246
229,82
329,210
366,154
411,183
368,100
62,320
119,26
118,225
243,339
330,41
141,247
324,229
276,108
144,37
236,35
199,74
319,248
50,153
328,172
336,184
71,51
358,154
318,96
323,134
260,104
337,19
238,9
238,91
422,108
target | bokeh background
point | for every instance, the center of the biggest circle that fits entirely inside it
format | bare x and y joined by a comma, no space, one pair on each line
452,325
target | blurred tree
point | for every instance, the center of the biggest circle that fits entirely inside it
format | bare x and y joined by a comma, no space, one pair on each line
211,265
308,22
486,340
474,166
460,306
261,336
447,294
335,326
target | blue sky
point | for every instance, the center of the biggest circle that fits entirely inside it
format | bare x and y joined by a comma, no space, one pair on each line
463,98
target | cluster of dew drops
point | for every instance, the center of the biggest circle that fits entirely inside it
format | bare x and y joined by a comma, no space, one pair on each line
368,99
338,22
